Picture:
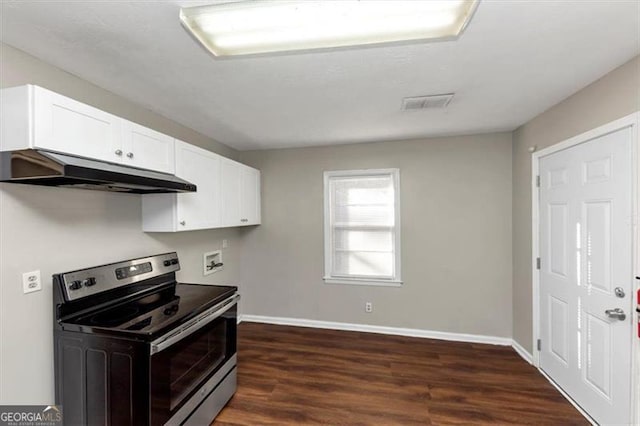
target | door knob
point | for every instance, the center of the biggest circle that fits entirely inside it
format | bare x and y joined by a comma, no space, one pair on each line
616,313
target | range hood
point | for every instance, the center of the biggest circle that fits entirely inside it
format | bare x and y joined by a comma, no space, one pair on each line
35,167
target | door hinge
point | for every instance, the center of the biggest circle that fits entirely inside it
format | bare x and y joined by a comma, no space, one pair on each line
538,181
539,345
538,263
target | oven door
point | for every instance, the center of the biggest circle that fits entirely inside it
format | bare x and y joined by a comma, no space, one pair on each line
184,361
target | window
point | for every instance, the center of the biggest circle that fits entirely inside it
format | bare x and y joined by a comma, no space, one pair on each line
362,227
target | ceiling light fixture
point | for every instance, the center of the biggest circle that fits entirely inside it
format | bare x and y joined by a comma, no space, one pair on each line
252,27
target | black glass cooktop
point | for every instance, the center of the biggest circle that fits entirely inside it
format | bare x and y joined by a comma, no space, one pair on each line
150,314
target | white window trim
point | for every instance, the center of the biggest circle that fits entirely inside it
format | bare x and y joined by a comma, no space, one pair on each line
368,281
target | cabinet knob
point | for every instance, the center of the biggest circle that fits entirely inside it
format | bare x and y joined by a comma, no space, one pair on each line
119,152
244,220
183,223
130,154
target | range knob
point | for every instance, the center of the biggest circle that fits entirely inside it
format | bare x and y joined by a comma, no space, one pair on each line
75,285
174,261
89,282
166,263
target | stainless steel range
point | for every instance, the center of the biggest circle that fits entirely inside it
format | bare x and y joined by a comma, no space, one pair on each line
134,347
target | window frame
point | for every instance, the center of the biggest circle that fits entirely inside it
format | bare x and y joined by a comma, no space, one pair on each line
395,281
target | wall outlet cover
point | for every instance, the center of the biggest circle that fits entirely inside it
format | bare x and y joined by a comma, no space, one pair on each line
31,282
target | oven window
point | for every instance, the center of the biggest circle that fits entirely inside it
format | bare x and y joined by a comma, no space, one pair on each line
193,359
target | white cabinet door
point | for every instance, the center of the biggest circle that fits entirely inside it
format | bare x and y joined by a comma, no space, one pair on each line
240,194
201,209
249,196
146,148
230,191
63,125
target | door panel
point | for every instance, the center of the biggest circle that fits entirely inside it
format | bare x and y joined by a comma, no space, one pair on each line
558,239
559,318
585,247
598,249
598,366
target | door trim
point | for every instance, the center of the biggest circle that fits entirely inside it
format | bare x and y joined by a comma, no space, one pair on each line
632,121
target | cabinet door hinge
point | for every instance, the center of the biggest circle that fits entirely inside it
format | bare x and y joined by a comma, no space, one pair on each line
538,181
538,263
539,345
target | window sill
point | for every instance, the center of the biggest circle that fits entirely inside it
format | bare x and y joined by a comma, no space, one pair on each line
371,282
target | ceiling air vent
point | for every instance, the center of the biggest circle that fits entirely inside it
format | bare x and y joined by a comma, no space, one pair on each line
426,102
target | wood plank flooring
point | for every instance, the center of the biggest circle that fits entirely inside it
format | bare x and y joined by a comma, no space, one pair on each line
294,375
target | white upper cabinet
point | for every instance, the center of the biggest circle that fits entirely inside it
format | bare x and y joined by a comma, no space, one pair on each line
33,117
228,194
146,148
240,194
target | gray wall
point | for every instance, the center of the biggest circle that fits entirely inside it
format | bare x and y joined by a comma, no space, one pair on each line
613,96
456,236
57,230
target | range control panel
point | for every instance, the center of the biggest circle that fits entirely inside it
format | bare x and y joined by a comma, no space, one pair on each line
133,270
87,282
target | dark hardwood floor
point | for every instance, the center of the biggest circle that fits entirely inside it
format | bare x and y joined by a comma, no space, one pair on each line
294,375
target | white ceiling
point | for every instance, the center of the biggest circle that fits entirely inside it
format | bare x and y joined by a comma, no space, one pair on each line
516,59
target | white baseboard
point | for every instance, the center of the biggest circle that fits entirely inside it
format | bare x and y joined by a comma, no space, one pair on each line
526,355
410,332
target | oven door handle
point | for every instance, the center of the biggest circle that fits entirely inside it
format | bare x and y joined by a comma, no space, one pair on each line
194,325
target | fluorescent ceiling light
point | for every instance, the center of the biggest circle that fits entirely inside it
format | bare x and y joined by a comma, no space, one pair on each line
250,27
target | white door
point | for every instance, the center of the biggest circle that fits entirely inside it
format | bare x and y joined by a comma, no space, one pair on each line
586,272
200,209
147,149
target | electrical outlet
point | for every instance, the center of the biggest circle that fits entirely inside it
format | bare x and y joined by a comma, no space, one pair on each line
225,243
31,282
368,307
